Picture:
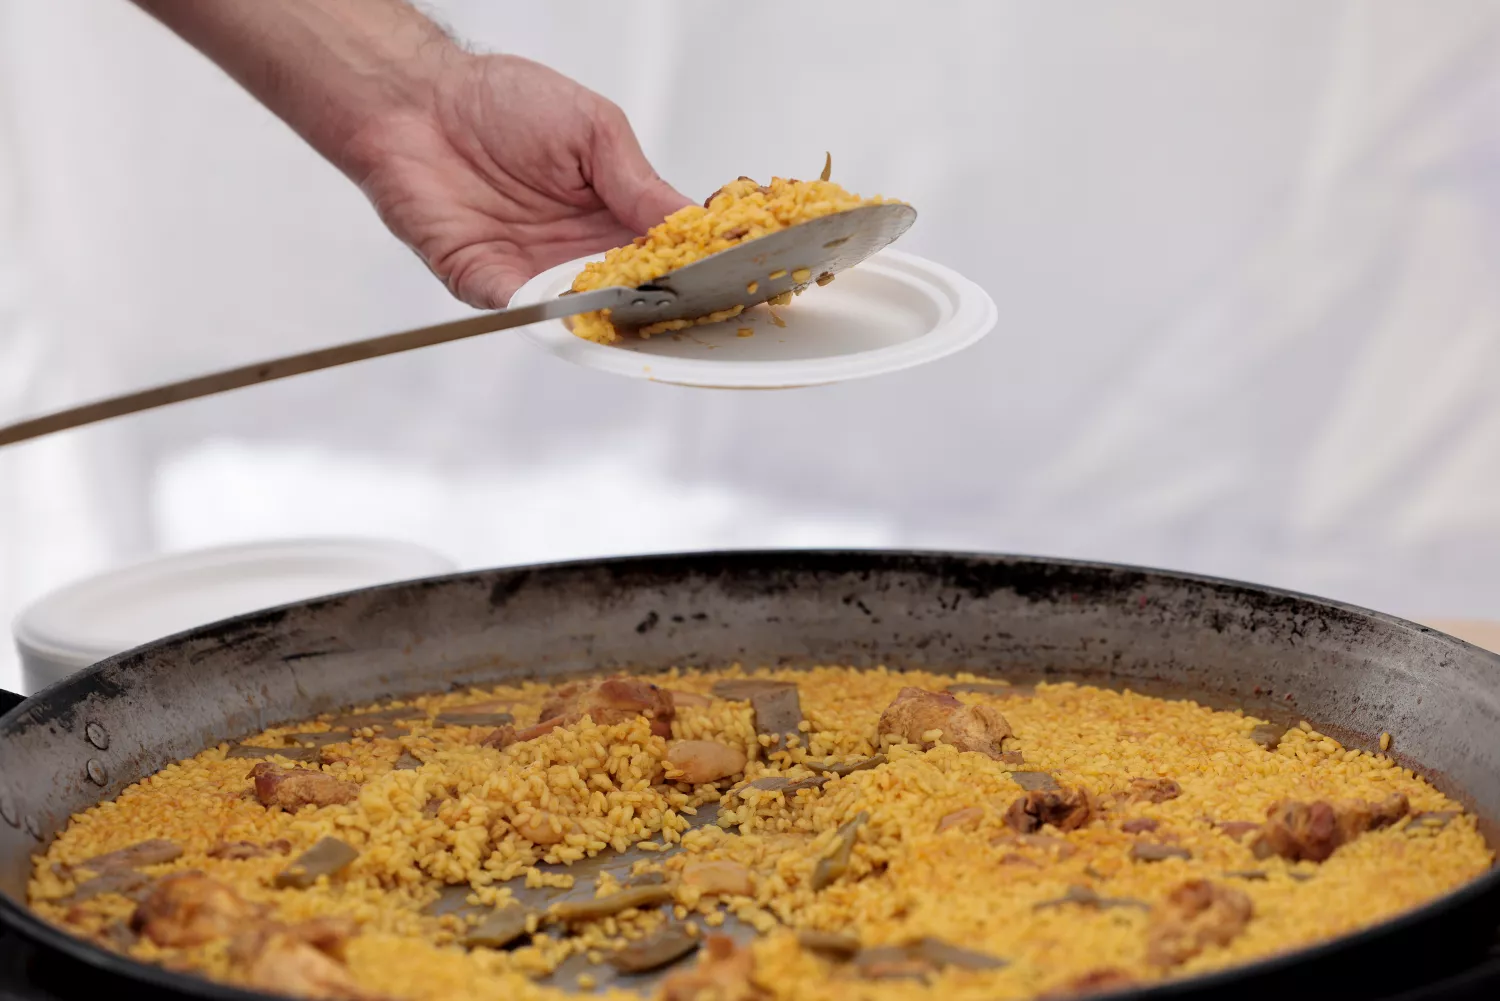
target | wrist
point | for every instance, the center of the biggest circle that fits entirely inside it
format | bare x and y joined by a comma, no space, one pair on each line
388,81
330,69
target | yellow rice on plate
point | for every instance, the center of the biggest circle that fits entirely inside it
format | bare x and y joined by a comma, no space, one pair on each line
872,863
741,210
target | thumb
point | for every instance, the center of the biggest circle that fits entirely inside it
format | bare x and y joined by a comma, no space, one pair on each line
624,179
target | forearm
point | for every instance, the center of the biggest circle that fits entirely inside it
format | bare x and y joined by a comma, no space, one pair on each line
328,68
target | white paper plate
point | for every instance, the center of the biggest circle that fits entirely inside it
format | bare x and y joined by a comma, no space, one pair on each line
891,312
89,620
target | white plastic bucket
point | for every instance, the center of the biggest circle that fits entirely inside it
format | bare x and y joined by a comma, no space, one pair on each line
92,619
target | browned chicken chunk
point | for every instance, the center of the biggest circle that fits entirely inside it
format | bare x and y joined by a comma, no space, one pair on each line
329,935
1312,831
1237,829
1152,790
190,909
606,702
612,700
285,963
303,960
700,761
1064,808
681,698
969,817
915,713
500,738
542,828
723,973
293,788
1194,916
718,877
1098,981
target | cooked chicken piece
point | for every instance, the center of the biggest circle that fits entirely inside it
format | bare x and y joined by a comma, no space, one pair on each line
723,973
1312,831
304,960
914,714
293,788
607,702
543,828
1098,981
1237,829
1152,791
1039,842
700,761
1154,851
1194,916
286,964
329,935
1361,815
1064,808
689,699
610,701
719,878
500,738
969,816
190,909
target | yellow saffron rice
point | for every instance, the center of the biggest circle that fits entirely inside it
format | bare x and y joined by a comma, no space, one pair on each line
436,807
739,211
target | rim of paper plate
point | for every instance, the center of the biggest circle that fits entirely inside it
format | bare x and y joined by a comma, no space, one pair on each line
965,313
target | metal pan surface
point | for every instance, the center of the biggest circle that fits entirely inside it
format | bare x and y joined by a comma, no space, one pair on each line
1352,672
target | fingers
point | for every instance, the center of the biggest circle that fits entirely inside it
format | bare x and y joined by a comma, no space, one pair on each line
488,274
484,277
624,179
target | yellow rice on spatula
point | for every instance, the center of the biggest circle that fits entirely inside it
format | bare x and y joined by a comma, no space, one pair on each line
739,211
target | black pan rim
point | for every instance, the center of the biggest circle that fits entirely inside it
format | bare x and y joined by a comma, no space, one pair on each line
19,918
873,558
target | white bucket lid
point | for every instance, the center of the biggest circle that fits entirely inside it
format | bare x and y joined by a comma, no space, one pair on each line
92,619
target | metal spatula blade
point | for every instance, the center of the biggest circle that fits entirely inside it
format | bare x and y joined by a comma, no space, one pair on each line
824,246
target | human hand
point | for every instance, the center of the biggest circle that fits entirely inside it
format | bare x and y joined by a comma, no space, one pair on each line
508,169
492,168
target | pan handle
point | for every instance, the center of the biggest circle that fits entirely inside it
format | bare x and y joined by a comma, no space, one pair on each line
9,700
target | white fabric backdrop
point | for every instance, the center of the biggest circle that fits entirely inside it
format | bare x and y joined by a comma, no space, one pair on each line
1247,258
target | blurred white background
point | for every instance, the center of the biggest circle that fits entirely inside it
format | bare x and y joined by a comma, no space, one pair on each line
1246,255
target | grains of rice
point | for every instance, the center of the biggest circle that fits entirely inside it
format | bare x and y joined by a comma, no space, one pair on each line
972,884
742,210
